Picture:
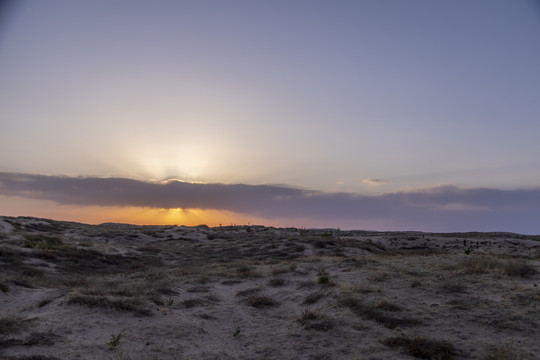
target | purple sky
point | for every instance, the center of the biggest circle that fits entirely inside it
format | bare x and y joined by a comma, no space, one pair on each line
354,105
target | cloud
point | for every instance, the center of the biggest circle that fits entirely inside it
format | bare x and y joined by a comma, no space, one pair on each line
446,208
375,181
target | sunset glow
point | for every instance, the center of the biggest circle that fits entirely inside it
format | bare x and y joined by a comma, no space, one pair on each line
416,115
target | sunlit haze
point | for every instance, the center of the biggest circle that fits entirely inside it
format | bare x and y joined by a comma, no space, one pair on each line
384,115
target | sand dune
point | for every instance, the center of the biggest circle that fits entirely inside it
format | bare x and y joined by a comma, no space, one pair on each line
116,291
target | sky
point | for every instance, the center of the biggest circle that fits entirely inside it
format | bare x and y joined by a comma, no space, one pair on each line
376,114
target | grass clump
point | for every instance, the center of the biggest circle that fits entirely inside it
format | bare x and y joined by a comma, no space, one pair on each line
388,306
482,264
323,279
423,348
261,301
313,298
314,320
323,276
519,267
236,332
115,339
44,242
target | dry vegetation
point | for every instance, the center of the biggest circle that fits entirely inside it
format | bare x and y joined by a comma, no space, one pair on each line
115,291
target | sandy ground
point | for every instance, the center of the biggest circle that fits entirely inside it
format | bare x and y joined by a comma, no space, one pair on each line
114,291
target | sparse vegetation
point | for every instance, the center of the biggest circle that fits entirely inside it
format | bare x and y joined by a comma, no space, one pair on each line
388,306
482,264
115,339
313,298
323,279
314,320
519,267
43,241
301,287
323,276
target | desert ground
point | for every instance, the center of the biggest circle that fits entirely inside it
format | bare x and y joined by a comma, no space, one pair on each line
117,291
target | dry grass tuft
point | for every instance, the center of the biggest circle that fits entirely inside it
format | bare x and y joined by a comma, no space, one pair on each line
314,320
261,301
482,264
43,241
388,306
108,302
423,348
519,267
313,298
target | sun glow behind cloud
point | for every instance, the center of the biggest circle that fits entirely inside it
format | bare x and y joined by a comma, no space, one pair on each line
18,206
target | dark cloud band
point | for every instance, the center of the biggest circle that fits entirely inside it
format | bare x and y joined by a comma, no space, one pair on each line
445,208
